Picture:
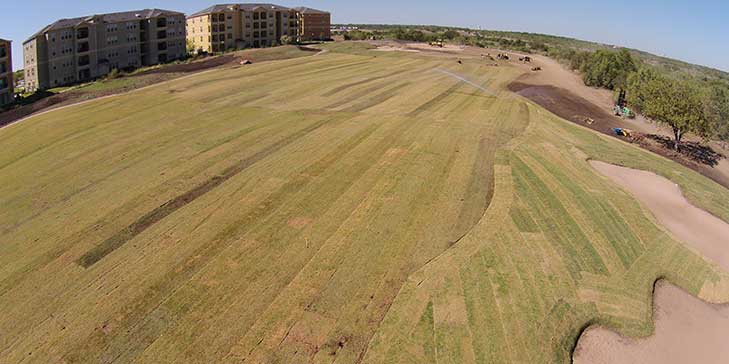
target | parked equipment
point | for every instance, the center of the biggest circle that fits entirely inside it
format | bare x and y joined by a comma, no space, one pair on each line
438,43
623,132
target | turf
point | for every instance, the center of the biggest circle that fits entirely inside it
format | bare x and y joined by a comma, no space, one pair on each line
351,207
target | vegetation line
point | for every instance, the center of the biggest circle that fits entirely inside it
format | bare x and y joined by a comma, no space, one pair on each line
140,225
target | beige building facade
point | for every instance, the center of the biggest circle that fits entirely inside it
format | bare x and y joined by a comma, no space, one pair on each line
235,26
75,50
7,88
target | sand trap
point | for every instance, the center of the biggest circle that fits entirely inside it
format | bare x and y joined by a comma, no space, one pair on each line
428,47
388,48
688,330
695,227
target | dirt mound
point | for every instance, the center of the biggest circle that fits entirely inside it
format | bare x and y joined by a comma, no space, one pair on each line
688,330
569,106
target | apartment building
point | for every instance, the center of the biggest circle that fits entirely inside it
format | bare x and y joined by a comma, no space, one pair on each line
313,24
79,49
6,73
235,26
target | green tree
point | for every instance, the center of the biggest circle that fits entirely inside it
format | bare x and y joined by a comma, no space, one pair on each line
717,110
676,103
608,69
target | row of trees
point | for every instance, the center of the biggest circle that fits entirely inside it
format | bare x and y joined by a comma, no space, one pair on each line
686,105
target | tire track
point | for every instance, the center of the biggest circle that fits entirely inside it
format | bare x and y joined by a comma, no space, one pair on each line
143,223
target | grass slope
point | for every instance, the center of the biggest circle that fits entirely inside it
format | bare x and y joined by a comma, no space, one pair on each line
343,208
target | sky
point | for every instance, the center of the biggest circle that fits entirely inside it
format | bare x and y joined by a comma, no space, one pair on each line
695,31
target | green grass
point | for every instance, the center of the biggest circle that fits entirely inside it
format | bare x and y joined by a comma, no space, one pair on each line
343,207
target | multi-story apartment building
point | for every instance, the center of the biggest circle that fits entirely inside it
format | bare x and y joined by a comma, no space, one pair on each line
74,50
313,24
234,26
6,73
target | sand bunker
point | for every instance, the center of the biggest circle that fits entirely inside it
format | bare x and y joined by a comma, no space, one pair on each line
387,48
688,330
697,228
426,47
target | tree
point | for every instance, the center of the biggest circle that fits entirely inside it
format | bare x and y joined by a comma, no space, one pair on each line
676,103
608,69
717,109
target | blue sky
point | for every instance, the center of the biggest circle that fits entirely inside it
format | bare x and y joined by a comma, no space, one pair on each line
691,30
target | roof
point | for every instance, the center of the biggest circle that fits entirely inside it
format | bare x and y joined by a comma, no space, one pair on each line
105,18
4,40
305,10
247,7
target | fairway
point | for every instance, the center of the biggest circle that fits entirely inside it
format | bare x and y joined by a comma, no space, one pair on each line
350,207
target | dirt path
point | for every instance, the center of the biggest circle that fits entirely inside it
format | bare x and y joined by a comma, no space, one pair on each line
562,92
687,330
697,228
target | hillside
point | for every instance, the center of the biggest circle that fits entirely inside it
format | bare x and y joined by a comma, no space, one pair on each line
357,206
507,40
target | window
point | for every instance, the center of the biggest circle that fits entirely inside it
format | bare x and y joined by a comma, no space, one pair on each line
82,33
215,37
230,36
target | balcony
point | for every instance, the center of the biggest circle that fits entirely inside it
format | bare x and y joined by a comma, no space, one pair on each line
82,33
162,34
83,61
161,22
162,46
83,47
3,52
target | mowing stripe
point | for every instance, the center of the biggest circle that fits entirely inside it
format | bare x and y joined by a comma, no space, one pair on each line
434,101
117,240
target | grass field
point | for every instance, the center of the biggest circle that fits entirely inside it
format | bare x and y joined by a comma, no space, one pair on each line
351,207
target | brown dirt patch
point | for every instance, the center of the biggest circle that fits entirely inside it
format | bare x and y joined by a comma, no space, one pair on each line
687,330
697,228
574,108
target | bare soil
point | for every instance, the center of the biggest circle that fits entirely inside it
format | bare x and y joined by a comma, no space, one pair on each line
697,228
687,330
579,110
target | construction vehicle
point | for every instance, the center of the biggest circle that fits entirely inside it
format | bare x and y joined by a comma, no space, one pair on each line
621,107
623,132
437,43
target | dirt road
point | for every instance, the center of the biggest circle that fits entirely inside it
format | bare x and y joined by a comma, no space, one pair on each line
563,93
